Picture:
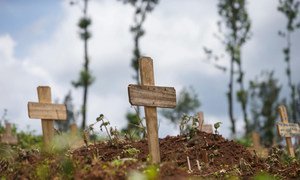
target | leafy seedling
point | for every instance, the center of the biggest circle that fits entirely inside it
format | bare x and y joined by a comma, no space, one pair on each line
217,126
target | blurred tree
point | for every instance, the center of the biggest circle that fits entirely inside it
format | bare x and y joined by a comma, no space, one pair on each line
187,103
298,103
142,7
264,92
135,128
236,21
290,8
85,77
64,126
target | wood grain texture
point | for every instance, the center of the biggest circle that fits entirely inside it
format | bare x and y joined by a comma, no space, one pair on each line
47,111
44,95
152,96
288,129
284,118
208,128
147,79
200,120
256,140
8,137
74,129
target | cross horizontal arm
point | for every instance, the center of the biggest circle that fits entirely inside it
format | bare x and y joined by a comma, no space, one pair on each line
47,111
152,96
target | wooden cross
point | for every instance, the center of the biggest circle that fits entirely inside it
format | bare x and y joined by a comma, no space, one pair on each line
256,140
287,130
208,128
7,137
150,97
74,129
47,112
261,151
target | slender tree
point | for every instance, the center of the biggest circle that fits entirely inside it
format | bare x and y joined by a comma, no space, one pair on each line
85,78
290,9
237,23
142,8
264,93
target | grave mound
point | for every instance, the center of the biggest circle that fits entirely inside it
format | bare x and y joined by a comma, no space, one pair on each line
217,157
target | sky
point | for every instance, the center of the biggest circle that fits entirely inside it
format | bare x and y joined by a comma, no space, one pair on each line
40,45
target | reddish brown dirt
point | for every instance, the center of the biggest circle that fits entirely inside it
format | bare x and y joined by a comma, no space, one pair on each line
221,157
217,157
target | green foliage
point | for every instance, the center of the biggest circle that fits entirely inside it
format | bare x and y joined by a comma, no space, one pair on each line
245,141
187,103
64,126
188,125
151,172
131,152
43,171
27,140
217,125
85,79
290,9
62,143
135,128
67,167
142,7
264,176
264,92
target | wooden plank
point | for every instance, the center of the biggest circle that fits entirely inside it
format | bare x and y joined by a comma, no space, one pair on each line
256,140
284,118
288,129
8,137
44,95
152,96
147,79
208,128
47,111
74,129
200,120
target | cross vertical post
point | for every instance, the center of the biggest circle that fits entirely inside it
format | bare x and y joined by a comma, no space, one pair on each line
44,96
74,129
256,140
147,78
284,119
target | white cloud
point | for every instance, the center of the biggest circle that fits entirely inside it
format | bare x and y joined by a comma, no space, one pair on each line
175,35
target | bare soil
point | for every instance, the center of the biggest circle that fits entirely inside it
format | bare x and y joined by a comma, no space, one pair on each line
218,158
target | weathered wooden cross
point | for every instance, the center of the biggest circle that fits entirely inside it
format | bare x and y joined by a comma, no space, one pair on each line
150,97
257,147
8,137
47,112
73,129
208,128
287,130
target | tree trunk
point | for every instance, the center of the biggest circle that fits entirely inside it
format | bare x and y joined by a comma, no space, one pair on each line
230,98
86,68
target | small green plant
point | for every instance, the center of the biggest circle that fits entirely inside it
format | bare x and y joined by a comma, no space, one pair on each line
104,124
151,172
132,152
188,125
43,171
217,126
67,168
